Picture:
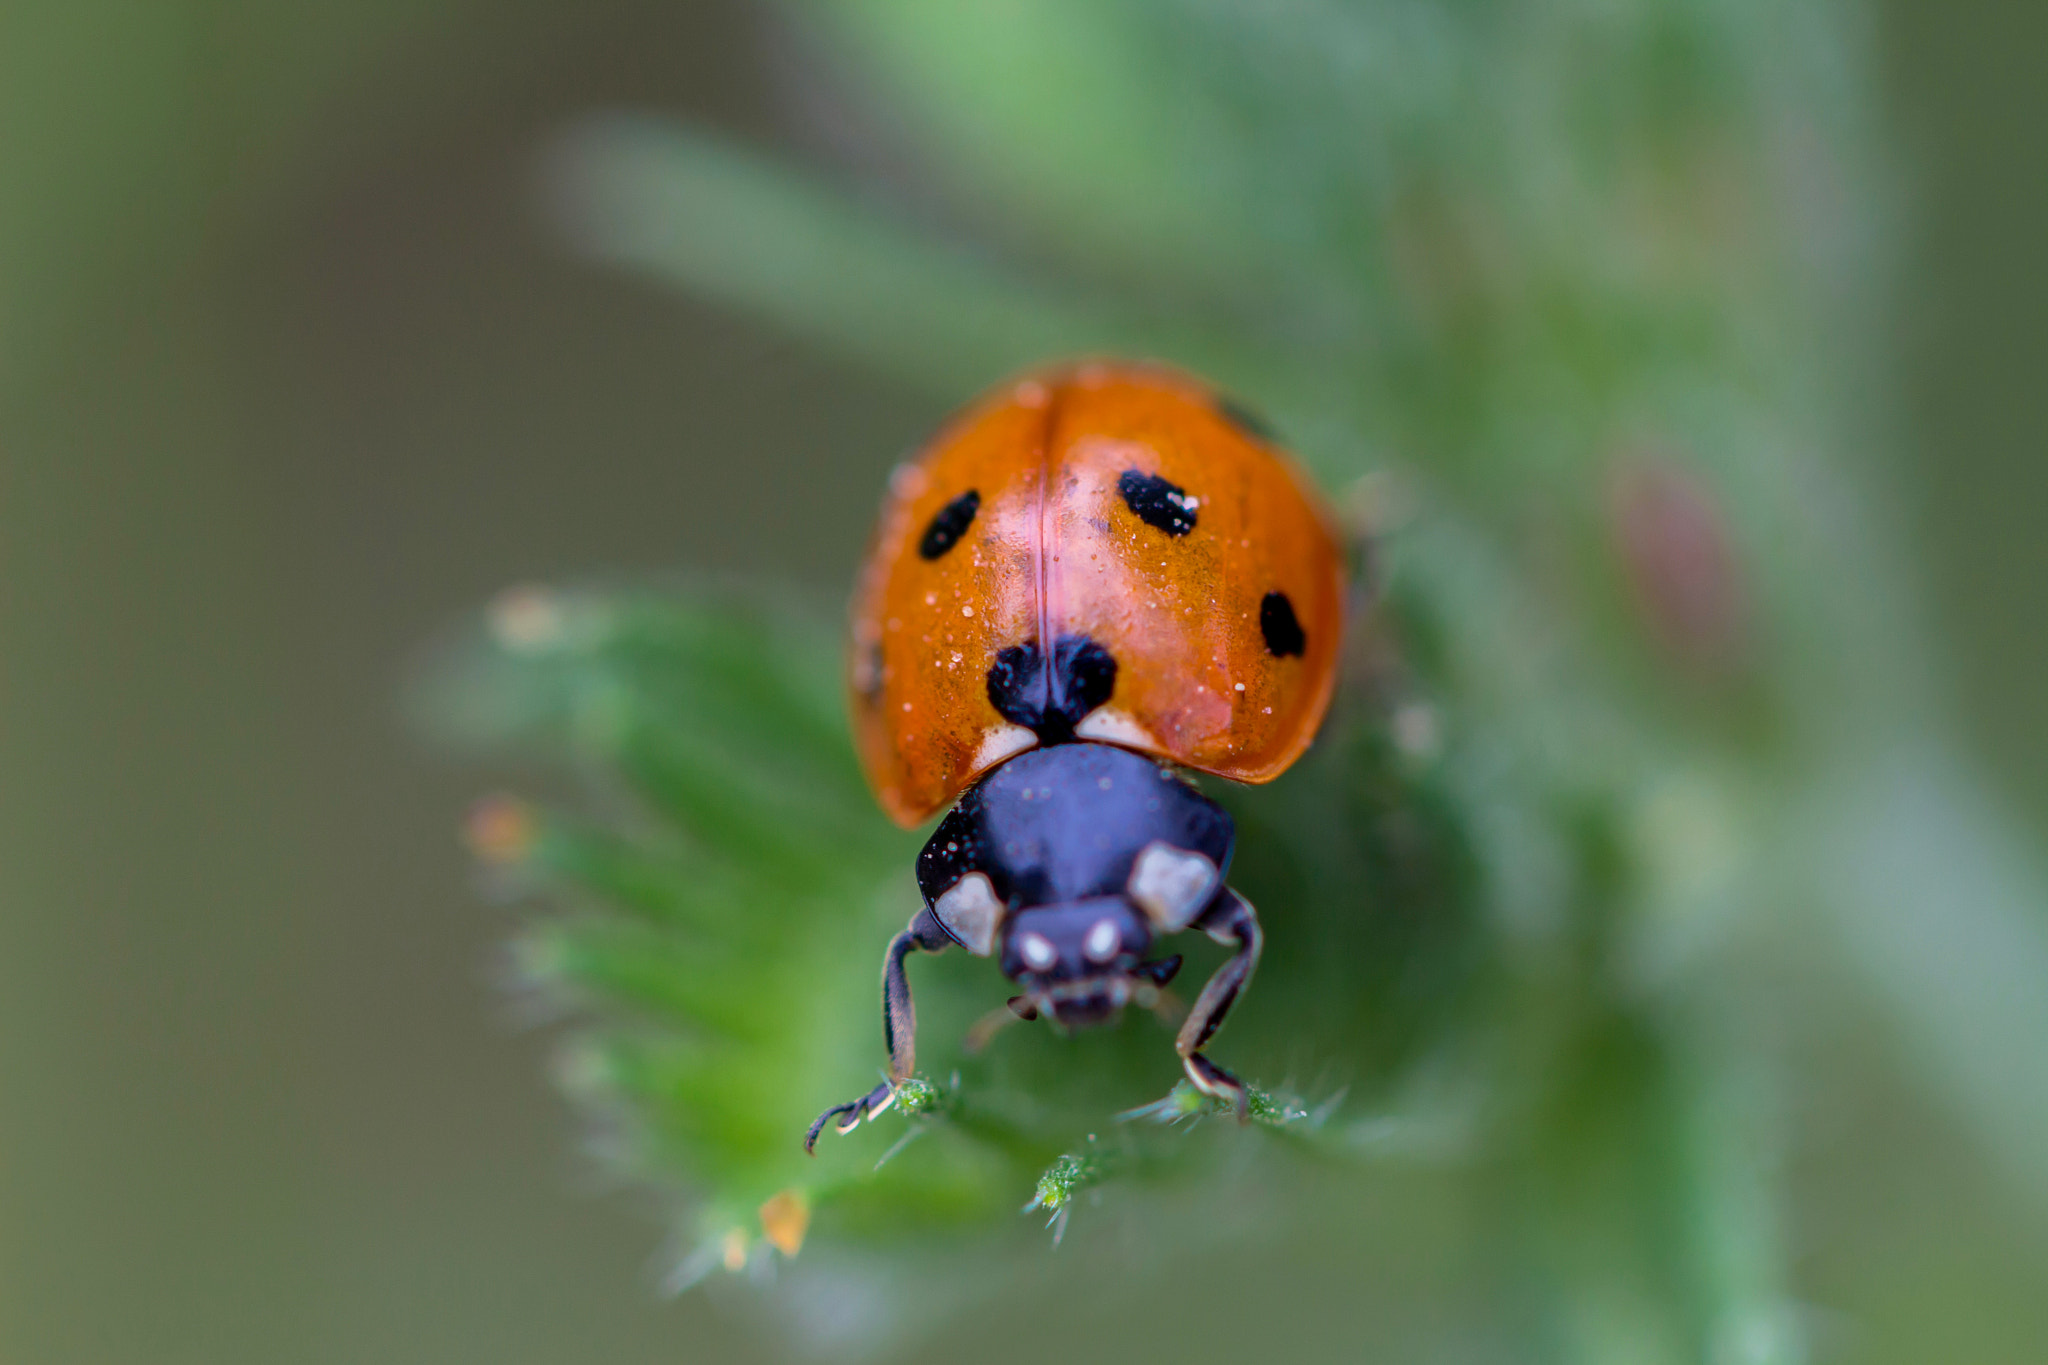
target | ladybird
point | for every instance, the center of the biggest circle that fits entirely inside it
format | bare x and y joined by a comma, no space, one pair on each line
1095,578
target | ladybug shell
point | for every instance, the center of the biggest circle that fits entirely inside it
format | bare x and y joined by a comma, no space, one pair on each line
1113,505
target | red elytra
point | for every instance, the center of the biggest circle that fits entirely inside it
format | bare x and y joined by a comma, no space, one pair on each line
1118,504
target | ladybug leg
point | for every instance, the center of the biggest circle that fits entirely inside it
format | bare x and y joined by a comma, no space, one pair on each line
899,1016
899,1028
1229,920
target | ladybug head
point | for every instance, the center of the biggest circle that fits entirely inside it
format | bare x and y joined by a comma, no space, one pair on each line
1068,862
1081,962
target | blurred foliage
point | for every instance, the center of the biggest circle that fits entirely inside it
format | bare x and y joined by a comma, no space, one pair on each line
1569,304
80,154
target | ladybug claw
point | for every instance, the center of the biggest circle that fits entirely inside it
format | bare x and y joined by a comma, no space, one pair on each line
844,1118
1213,1080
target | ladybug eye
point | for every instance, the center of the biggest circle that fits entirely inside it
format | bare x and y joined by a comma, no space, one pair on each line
969,910
1171,885
1102,941
1037,952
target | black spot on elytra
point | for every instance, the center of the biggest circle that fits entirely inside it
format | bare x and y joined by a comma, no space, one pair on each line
948,524
1280,626
1245,420
1157,502
1051,702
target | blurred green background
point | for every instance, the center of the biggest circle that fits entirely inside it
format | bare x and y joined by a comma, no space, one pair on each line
293,375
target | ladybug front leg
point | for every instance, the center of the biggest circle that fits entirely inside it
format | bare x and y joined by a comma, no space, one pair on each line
899,1028
1229,920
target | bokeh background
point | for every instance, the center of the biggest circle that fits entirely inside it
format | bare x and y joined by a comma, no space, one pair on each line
294,374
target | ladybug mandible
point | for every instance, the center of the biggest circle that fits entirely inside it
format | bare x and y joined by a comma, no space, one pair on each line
1094,577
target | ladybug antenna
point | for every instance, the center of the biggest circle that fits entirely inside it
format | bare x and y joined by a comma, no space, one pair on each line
1167,1007
996,1020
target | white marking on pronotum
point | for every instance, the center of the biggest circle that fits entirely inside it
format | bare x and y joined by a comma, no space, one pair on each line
1171,885
1102,941
999,742
1037,952
1111,726
969,910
